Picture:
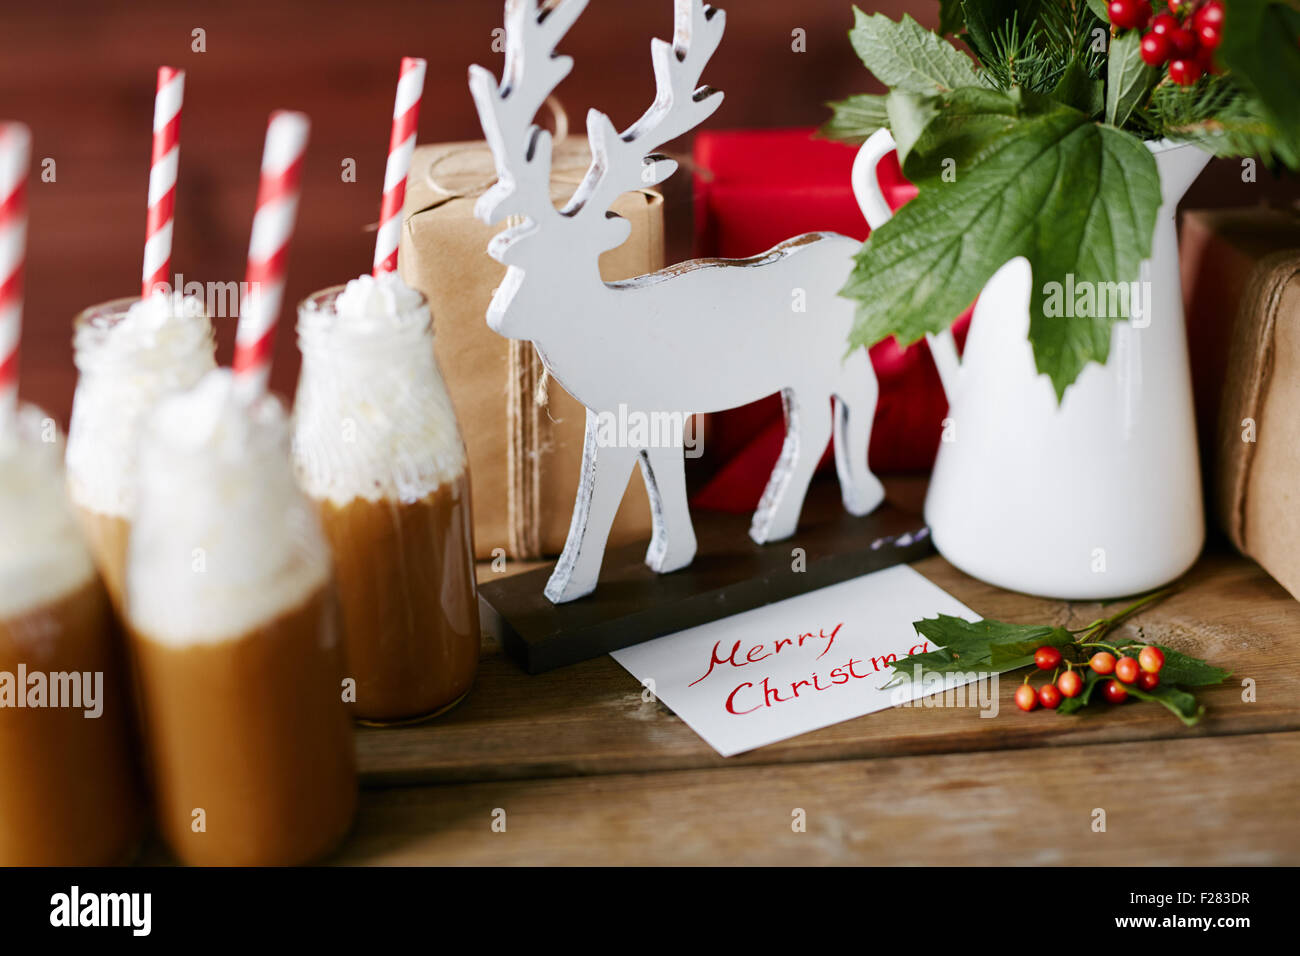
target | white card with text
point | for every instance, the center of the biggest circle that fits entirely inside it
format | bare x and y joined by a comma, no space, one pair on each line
782,670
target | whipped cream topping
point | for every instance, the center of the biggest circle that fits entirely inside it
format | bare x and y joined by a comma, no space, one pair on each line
128,358
223,542
42,555
374,304
372,417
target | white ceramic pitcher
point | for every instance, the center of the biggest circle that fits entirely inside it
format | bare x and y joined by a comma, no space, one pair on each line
1097,497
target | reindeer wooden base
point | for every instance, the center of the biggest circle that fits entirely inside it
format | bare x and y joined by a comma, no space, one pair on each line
730,574
703,336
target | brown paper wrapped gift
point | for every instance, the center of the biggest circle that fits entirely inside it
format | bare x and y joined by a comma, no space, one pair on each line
523,432
1242,283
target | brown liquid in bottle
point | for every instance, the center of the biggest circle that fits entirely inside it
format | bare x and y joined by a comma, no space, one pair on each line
268,762
376,446
120,379
69,793
405,578
106,536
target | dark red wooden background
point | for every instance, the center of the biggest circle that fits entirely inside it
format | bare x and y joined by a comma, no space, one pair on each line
81,73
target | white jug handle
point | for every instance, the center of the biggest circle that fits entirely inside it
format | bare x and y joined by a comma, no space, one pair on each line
866,187
875,207
943,349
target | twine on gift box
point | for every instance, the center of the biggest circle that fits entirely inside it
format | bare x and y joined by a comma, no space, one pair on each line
541,396
524,449
528,378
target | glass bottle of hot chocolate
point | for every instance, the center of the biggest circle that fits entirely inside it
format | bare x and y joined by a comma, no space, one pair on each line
69,790
377,448
129,353
234,637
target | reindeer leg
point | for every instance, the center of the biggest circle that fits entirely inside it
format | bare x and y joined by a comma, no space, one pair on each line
855,412
860,490
605,470
672,546
807,431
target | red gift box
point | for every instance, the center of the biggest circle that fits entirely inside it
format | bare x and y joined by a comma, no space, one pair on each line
754,189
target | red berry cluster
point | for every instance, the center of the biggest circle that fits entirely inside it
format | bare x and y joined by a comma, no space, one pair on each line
1185,36
1143,671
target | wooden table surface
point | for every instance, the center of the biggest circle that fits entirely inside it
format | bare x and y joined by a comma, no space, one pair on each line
586,771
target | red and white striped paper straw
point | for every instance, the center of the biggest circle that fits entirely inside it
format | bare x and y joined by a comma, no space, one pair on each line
15,157
162,179
268,249
401,144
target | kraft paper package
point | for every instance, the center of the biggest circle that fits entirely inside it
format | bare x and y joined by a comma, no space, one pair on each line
1241,281
523,432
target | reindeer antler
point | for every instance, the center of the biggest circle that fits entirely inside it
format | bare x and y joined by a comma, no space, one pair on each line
521,149
619,161
624,161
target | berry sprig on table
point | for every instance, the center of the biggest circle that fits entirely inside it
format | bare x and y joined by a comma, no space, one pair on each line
1081,660
1143,670
1184,36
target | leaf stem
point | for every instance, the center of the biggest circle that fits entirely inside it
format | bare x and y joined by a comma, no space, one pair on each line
1088,635
1113,650
1141,602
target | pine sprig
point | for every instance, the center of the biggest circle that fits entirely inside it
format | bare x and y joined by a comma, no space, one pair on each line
1217,115
1033,50
1020,56
1172,106
1077,28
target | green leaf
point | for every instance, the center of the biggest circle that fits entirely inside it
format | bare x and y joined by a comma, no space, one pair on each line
1128,78
1098,7
1072,705
906,56
909,115
958,128
931,662
1189,671
1019,652
1179,702
946,630
1261,46
854,119
1034,178
1080,90
951,18
962,645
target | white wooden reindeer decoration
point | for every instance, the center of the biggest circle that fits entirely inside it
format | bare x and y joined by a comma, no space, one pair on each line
702,336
